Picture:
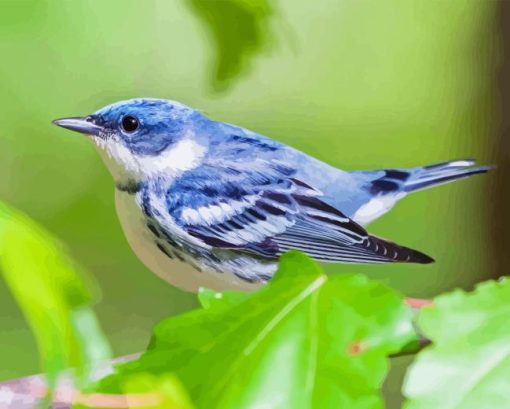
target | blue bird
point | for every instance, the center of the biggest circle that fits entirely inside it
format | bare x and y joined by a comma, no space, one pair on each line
228,201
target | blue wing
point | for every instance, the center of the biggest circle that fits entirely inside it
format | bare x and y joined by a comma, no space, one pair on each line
263,208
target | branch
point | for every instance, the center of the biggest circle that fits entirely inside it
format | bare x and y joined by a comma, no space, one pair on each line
416,305
29,392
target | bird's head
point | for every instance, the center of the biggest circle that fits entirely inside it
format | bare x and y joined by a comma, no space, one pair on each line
142,137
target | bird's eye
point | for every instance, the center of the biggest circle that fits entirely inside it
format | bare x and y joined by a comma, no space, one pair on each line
130,123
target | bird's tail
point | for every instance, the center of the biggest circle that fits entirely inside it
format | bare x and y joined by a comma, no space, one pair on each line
393,252
440,173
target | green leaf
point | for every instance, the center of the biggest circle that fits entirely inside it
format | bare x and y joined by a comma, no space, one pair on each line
53,296
239,29
166,391
468,364
209,298
305,340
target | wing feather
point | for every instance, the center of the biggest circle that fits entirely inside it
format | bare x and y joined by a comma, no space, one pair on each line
267,212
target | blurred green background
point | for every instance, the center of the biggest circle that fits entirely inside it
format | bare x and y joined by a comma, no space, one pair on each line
360,84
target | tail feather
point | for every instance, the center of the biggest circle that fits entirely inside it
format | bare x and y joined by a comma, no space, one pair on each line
441,173
387,186
449,164
393,252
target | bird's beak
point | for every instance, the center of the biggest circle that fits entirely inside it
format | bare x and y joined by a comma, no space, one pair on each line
79,124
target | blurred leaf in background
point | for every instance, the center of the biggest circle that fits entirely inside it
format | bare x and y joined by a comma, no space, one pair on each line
53,295
240,30
468,365
305,340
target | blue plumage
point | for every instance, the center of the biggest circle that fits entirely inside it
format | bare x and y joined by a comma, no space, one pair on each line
226,199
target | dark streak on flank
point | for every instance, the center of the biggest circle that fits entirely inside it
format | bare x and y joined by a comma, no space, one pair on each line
164,251
153,230
214,258
181,258
244,278
131,187
169,239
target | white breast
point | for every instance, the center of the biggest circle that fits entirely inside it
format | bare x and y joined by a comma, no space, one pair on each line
177,273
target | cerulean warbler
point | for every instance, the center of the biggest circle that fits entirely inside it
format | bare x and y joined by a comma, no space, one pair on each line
229,202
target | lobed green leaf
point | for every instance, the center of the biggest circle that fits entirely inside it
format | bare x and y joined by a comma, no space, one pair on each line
305,340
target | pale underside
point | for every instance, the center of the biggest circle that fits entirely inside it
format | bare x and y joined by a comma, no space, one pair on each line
180,274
